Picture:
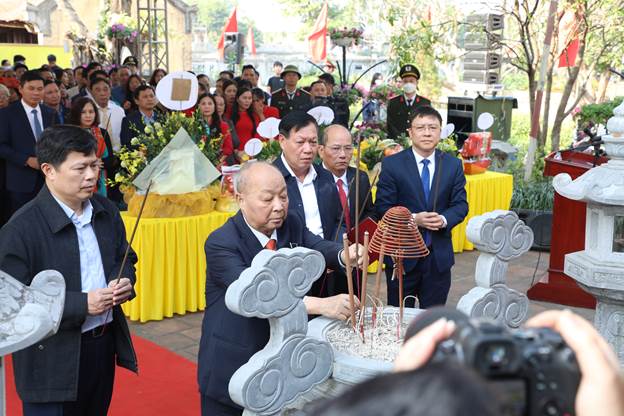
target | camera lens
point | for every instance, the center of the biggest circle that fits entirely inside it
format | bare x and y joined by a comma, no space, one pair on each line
496,355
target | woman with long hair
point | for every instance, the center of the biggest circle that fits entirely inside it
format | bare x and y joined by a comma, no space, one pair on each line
84,114
157,75
244,119
213,125
133,83
229,95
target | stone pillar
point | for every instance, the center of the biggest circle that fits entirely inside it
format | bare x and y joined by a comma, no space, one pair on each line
28,314
500,236
291,363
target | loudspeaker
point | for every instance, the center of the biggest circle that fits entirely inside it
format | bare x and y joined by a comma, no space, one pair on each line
481,41
481,61
489,22
481,77
233,47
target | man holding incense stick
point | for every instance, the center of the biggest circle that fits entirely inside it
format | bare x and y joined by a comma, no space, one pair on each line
69,228
431,184
229,340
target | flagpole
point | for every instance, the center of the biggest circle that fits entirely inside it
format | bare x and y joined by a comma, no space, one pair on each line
537,109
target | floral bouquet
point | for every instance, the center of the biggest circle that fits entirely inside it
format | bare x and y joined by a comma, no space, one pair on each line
270,151
384,93
346,37
146,148
351,95
123,29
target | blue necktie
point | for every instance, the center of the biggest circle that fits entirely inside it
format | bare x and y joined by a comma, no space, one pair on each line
38,128
424,177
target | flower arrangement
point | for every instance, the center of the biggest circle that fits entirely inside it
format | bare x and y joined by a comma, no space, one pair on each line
148,144
384,93
123,29
270,151
373,149
351,95
448,145
346,37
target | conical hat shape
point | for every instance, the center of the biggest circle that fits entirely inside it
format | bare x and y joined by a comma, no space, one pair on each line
399,235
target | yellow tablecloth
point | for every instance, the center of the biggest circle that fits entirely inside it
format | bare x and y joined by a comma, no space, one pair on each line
171,271
485,192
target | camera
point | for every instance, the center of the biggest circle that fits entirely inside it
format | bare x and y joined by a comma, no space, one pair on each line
532,369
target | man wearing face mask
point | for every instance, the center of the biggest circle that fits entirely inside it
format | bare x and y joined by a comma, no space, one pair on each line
400,108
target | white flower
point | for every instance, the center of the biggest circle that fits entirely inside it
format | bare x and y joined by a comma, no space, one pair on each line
134,141
148,129
124,164
157,126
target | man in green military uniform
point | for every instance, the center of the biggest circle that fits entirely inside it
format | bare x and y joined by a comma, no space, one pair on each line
401,107
290,97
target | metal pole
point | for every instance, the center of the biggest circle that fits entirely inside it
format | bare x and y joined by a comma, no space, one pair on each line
535,121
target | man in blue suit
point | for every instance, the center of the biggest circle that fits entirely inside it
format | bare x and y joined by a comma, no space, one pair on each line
431,184
229,340
312,193
21,125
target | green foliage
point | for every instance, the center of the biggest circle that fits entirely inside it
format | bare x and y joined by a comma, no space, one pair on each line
534,195
597,113
516,81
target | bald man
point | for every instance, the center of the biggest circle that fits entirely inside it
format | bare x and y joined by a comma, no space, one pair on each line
229,340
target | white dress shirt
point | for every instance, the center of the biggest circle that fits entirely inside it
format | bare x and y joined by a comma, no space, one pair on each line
262,238
91,268
31,118
308,197
112,122
431,167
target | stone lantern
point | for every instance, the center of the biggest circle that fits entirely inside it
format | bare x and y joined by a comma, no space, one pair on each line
599,269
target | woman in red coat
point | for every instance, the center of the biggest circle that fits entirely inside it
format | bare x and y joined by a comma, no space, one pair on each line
243,117
229,95
213,125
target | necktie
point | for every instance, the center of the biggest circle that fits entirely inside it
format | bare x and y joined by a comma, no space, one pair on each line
271,245
425,183
409,103
345,205
37,125
105,118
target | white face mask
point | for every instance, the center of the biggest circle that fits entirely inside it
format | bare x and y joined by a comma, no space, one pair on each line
409,88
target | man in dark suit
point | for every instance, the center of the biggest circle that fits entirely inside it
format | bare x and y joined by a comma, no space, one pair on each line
229,340
312,193
145,98
21,125
401,108
336,150
431,184
70,229
290,98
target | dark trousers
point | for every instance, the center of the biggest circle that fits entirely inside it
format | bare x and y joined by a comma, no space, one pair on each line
212,407
95,380
430,285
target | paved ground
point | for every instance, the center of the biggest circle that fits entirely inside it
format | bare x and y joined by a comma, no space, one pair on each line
181,333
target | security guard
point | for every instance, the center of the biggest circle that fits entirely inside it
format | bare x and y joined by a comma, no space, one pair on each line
290,97
400,108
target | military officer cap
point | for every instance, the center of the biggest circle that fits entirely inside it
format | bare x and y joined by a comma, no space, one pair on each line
131,60
409,70
290,68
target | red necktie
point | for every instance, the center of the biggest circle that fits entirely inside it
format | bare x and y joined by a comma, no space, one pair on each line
344,203
271,245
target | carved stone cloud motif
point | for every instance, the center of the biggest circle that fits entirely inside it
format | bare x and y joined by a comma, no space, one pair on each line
291,363
500,236
29,313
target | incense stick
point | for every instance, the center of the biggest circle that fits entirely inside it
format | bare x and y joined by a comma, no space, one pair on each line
364,283
345,242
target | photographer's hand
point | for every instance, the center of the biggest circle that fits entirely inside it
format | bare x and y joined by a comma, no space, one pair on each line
601,391
419,348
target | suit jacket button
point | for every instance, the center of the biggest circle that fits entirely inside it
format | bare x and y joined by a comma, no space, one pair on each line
41,347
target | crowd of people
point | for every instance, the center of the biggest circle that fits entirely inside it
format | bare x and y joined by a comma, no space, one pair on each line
58,138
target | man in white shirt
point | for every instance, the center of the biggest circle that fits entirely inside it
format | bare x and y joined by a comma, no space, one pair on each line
312,193
111,115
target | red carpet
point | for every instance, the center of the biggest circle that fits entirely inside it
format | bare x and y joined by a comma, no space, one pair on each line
166,385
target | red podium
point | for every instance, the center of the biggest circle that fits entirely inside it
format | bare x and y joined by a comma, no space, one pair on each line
568,234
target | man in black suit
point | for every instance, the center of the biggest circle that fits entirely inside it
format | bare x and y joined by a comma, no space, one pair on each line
336,150
145,98
21,125
402,107
229,340
431,184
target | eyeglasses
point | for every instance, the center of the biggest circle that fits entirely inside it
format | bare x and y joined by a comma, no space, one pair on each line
336,149
422,129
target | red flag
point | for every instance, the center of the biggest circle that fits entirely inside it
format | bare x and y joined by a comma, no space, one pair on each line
567,38
230,26
317,41
251,42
